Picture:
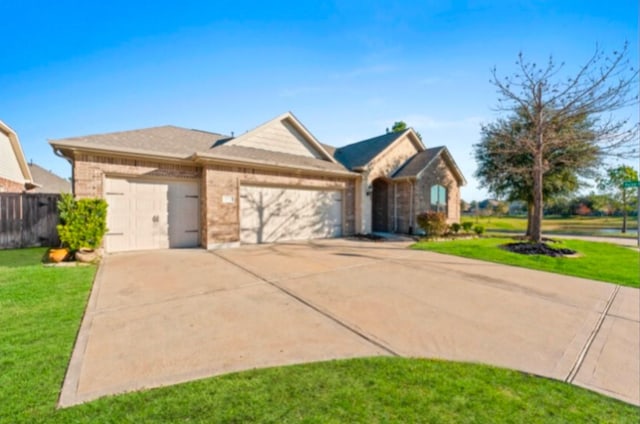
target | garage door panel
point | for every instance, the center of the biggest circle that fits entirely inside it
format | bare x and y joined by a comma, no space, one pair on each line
184,201
269,214
119,214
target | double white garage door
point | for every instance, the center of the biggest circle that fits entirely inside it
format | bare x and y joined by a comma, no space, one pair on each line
146,214
270,214
151,214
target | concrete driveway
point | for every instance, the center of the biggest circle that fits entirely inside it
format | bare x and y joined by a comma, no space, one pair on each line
164,317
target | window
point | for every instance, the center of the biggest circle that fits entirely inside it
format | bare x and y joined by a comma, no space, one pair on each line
439,198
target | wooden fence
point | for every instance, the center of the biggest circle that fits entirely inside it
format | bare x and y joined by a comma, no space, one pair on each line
28,220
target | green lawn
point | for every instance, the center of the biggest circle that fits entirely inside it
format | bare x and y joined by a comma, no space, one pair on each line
597,261
587,225
40,312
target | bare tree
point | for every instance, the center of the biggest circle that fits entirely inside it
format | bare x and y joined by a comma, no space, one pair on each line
553,102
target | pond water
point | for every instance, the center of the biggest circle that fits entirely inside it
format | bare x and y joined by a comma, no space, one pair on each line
633,230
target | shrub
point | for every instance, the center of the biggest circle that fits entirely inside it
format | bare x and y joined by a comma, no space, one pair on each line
433,223
83,222
478,229
455,227
467,226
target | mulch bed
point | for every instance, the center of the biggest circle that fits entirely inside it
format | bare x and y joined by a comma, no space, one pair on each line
537,249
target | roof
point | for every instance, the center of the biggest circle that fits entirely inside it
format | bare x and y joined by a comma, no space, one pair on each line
174,143
287,118
168,139
19,154
362,152
417,163
330,149
47,181
422,160
268,157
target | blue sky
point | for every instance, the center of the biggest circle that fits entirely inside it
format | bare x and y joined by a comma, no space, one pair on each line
346,69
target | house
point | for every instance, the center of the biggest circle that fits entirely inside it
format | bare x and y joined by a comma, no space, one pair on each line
47,182
175,187
15,176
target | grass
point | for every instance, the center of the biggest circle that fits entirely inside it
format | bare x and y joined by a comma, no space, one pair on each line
587,225
40,312
597,261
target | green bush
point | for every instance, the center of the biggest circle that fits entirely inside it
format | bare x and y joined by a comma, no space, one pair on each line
467,226
433,223
83,223
479,229
455,227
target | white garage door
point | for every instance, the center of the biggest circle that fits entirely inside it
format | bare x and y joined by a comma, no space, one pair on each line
151,214
269,214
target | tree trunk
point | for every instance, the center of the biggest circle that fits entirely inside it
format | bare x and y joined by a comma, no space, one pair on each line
538,171
536,222
529,218
624,210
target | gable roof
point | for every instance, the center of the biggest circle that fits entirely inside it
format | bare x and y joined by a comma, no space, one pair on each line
421,161
164,140
359,154
292,127
47,181
268,158
19,154
174,143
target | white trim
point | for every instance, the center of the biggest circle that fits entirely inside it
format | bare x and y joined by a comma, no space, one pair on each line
17,150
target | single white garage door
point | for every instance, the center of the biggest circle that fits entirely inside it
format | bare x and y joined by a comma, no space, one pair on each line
145,214
270,214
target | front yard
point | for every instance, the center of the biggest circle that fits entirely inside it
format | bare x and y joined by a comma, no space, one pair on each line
597,261
40,313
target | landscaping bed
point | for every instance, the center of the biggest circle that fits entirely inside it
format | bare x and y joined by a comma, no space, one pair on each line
594,260
526,248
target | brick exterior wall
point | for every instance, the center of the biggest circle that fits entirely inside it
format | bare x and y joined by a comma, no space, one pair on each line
438,173
89,172
382,167
8,186
221,221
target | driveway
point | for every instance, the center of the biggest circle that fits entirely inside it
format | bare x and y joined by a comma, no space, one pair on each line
164,317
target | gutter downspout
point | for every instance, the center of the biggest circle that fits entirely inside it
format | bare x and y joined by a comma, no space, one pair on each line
58,153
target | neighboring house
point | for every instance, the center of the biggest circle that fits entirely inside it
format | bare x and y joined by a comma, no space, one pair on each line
15,176
175,187
47,182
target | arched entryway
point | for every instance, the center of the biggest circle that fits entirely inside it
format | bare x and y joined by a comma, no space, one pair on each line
380,205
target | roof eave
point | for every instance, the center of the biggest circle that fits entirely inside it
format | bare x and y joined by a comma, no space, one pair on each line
17,150
409,132
65,148
214,159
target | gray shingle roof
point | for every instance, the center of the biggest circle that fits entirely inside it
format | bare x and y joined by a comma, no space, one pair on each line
47,181
417,163
166,139
271,158
361,153
184,143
